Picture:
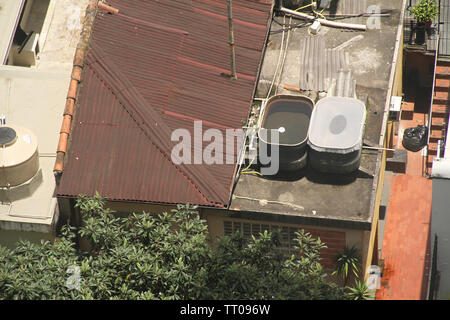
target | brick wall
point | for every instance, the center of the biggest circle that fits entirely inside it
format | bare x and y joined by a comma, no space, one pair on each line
335,242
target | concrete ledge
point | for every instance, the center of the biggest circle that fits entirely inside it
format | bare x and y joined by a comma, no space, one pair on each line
47,22
397,163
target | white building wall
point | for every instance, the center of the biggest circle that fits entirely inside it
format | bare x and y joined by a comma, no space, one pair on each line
440,225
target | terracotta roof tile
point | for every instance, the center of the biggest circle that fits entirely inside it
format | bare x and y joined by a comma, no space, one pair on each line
78,64
110,9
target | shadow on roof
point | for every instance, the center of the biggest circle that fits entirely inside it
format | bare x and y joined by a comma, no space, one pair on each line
318,177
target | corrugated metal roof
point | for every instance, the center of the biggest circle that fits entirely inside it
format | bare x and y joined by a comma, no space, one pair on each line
319,65
153,68
354,7
343,85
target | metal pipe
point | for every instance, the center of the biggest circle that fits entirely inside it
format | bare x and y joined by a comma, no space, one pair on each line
447,141
284,57
343,15
279,60
324,21
438,152
232,49
378,148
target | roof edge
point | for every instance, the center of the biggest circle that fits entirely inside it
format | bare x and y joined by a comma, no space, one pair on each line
75,79
161,203
237,168
337,223
378,166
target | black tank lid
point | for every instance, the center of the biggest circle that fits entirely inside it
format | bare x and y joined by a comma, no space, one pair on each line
7,135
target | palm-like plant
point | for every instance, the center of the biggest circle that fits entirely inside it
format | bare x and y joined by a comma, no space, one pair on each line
360,291
347,263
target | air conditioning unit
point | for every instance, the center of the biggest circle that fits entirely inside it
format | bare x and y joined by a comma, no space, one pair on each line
25,55
395,108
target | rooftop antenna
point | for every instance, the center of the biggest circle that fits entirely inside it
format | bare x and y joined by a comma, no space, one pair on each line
232,51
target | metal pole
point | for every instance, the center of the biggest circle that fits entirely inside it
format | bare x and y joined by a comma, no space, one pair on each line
378,148
232,51
430,112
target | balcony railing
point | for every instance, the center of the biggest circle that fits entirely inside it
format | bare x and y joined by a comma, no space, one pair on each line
430,112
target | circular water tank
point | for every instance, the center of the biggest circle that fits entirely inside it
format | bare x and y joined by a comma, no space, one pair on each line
290,116
19,159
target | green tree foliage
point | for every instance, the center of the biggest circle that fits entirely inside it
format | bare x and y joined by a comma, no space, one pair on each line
259,271
165,256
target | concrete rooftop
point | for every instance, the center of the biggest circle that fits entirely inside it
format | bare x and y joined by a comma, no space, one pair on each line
307,193
34,98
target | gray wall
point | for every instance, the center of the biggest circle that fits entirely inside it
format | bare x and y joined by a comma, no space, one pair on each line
9,238
440,225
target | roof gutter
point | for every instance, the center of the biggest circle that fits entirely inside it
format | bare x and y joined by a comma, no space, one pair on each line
78,66
75,79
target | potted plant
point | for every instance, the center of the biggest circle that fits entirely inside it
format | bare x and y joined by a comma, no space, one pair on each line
424,13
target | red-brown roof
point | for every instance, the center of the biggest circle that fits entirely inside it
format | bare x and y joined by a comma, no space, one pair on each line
150,69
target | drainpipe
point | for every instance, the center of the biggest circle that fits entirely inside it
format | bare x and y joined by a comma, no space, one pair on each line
232,49
447,141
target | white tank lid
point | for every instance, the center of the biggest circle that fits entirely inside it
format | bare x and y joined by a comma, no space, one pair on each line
337,125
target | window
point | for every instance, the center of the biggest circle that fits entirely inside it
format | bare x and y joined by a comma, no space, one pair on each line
287,234
29,32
